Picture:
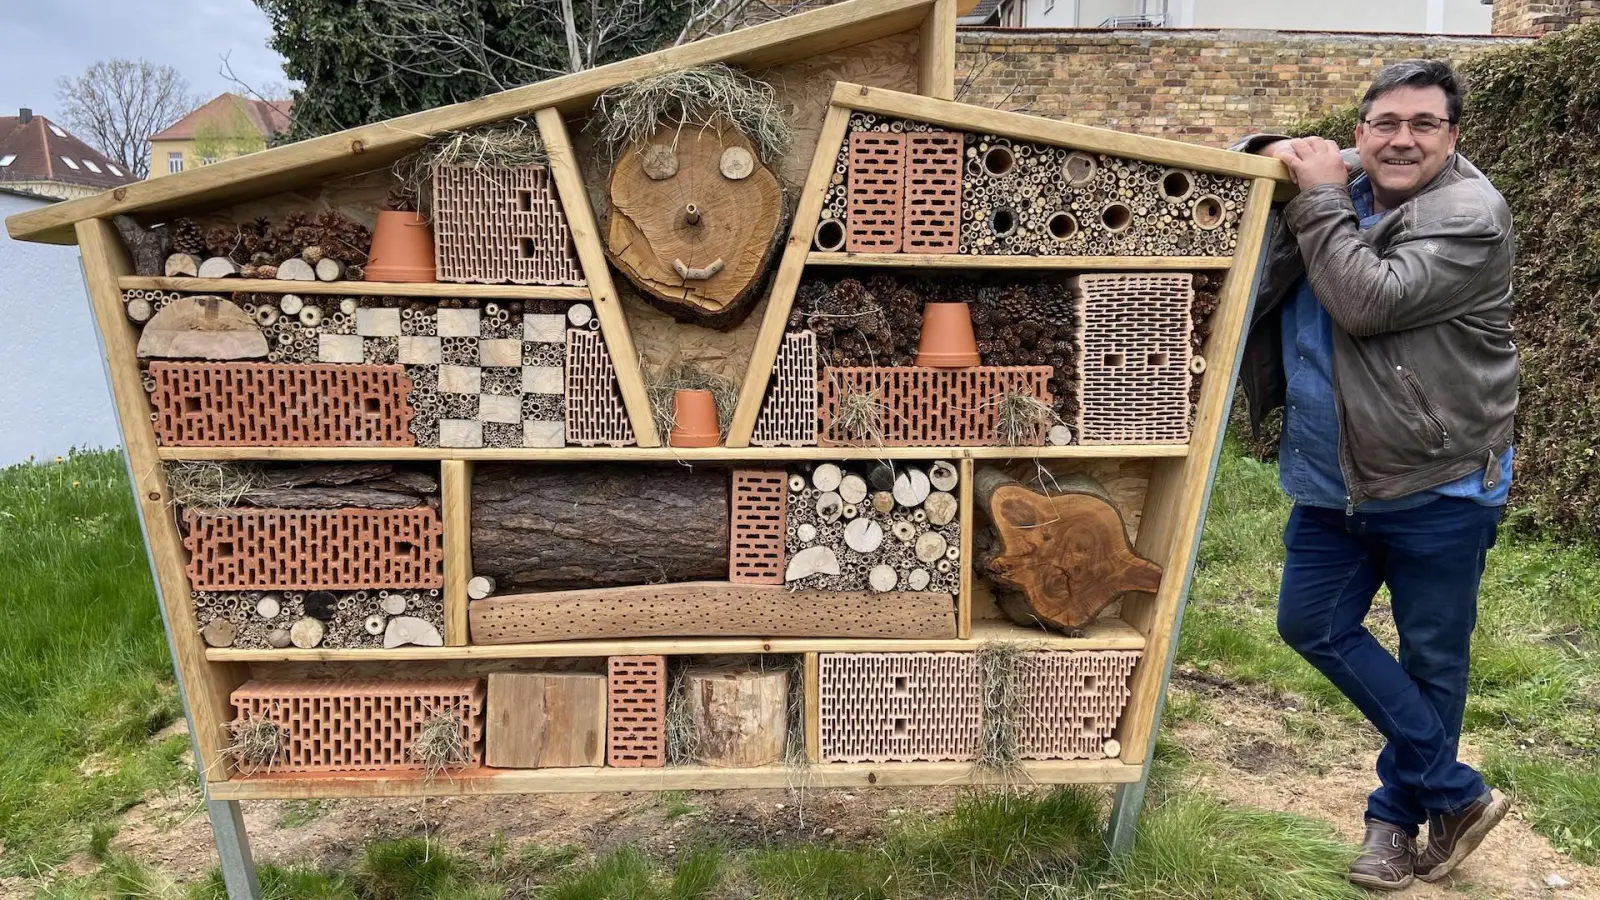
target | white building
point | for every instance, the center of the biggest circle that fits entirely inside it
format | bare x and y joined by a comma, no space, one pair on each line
53,393
1387,16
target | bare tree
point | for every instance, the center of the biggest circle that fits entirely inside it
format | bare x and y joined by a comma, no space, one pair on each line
116,104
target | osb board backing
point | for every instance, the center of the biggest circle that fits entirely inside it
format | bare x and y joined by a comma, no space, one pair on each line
1125,479
358,197
805,87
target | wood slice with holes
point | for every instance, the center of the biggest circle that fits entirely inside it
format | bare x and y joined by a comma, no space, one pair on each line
738,717
703,267
1058,558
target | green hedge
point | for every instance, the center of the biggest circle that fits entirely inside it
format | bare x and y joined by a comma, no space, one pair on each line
1532,123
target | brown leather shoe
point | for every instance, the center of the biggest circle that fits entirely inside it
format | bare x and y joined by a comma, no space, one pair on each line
1387,860
1452,838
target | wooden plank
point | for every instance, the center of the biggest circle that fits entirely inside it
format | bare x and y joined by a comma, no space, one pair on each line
477,782
370,147
676,454
206,685
980,261
1105,634
936,52
813,710
455,488
1051,131
538,720
787,280
597,272
1174,506
710,609
354,288
968,522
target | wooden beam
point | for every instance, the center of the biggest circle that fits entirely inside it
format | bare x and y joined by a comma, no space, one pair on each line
968,522
936,52
597,272
1175,501
370,147
455,488
355,288
812,719
787,281
1051,131
205,685
980,261
483,781
686,455
1106,634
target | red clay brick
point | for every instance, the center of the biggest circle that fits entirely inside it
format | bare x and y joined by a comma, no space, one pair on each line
756,544
636,732
255,404
923,407
347,549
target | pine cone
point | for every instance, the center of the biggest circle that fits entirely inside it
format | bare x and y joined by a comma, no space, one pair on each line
187,238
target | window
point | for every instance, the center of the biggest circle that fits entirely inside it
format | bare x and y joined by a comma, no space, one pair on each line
175,162
92,167
115,171
70,164
7,160
58,132
207,160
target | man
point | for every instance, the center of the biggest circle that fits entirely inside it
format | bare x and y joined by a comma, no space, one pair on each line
1383,329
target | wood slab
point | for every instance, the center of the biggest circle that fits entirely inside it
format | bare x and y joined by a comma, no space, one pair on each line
541,720
710,609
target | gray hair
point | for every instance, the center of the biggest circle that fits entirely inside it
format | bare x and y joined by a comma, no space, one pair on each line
1417,73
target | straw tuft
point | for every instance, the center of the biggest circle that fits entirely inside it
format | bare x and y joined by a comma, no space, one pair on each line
1000,666
662,384
694,98
255,743
441,743
1021,419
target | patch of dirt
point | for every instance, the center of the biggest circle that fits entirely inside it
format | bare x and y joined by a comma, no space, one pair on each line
1240,746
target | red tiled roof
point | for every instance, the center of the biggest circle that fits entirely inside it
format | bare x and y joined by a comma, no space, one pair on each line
267,116
39,152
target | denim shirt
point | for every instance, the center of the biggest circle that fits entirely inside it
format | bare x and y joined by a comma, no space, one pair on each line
1308,450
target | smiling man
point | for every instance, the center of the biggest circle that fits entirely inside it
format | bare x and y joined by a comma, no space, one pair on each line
1383,329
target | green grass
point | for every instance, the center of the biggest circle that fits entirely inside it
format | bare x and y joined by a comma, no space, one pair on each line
85,679
1534,706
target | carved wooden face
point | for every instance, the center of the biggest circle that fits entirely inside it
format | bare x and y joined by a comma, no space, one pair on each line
694,218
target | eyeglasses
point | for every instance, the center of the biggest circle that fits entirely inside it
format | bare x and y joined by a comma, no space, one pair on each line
1421,126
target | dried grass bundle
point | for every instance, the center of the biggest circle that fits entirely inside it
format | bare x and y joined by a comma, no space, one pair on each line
255,743
1000,668
441,742
212,484
662,384
1021,419
861,417
510,144
694,98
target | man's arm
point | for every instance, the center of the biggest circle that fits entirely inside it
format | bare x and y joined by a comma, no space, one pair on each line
1422,279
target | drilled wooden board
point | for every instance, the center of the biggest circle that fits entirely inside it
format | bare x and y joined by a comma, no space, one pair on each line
709,608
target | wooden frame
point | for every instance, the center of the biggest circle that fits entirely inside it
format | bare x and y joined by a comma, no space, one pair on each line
1174,501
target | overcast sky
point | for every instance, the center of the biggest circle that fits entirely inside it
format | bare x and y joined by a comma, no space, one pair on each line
44,40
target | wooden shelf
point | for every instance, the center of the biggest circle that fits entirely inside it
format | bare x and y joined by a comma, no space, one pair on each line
355,288
978,261
1106,634
674,454
585,780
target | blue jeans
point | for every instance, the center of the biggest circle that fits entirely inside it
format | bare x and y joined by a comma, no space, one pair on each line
1431,557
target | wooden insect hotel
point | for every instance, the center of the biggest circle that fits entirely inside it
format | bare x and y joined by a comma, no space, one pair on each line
408,470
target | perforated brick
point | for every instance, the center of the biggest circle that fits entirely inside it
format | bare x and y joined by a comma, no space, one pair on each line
595,414
757,535
1133,370
933,192
788,415
899,707
501,225
876,198
920,407
253,404
359,725
1071,701
347,549
636,730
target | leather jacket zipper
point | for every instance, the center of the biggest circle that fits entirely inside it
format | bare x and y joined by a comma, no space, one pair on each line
1426,407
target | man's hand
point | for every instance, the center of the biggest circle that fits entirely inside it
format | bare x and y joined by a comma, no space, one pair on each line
1311,161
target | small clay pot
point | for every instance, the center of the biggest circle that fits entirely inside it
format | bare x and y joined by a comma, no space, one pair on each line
947,338
402,248
694,417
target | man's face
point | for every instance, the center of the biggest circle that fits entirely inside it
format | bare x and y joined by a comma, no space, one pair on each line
1399,164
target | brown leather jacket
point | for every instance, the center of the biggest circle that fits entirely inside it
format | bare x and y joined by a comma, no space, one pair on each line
1424,366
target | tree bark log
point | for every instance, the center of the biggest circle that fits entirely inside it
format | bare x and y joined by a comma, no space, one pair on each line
740,717
1058,558
557,527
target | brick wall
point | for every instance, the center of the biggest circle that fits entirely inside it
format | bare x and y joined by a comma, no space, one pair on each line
1209,86
1542,16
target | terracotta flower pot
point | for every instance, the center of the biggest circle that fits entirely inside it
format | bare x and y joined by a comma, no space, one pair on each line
947,338
402,248
694,417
